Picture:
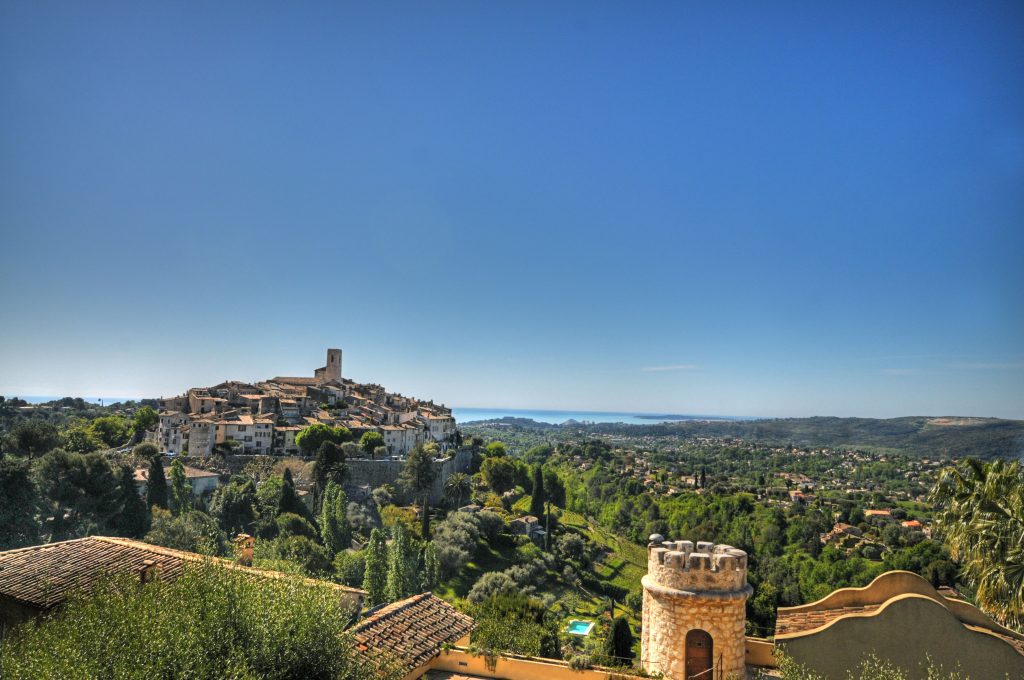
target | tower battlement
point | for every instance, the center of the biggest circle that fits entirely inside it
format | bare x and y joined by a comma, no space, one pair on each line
681,565
694,609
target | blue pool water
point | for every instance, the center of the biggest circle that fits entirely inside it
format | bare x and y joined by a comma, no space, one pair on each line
580,627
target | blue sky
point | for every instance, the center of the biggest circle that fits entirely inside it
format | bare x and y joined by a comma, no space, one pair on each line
807,208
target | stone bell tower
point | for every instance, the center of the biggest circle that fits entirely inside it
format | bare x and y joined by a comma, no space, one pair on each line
694,610
333,367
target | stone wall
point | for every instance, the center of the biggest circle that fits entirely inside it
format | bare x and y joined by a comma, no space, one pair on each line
688,588
364,473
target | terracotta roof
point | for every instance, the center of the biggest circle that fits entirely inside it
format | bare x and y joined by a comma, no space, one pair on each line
795,622
43,576
413,630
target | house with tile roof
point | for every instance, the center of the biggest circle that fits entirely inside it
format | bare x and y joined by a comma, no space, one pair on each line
36,579
901,618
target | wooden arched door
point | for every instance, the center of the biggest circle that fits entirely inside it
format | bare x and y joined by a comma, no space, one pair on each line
699,655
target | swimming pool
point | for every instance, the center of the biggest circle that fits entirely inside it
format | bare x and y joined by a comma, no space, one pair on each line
580,627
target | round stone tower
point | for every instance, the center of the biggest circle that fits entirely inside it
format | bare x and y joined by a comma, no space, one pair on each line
694,610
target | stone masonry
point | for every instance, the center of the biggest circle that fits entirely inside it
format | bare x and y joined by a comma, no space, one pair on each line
691,587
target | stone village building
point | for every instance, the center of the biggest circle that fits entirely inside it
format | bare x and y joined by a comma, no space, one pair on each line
693,622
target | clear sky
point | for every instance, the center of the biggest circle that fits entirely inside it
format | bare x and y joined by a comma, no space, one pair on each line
733,208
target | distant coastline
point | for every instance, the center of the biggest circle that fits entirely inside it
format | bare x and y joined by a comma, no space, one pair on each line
469,415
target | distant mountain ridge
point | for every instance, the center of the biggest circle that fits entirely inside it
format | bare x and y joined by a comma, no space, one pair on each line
920,436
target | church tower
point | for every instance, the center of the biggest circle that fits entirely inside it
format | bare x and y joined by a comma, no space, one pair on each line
333,368
694,610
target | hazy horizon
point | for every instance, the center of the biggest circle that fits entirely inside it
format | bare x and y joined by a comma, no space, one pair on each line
664,207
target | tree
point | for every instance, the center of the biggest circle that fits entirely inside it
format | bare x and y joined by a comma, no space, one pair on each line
457,487
192,532
133,520
234,506
537,498
289,524
181,497
290,501
349,567
490,584
497,449
146,451
554,489
31,438
79,439
80,493
376,573
145,419
156,484
18,525
310,439
981,518
330,467
110,430
618,645
402,562
703,478
431,567
499,474
510,622
334,527
418,474
311,558
370,441
268,503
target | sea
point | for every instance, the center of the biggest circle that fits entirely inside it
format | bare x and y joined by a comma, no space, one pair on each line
468,415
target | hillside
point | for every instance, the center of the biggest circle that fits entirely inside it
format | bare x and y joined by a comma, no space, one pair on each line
920,436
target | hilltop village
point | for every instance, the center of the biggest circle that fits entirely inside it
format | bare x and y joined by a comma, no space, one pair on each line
264,418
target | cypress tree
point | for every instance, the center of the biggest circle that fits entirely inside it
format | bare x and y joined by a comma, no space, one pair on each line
375,572
537,499
133,520
334,527
431,567
156,485
618,645
290,501
181,490
402,563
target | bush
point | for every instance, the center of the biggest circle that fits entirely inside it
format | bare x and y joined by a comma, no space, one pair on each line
491,583
349,568
192,532
455,541
289,524
310,557
208,623
490,524
514,623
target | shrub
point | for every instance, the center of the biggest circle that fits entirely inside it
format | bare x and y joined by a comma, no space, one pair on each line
491,583
349,568
210,622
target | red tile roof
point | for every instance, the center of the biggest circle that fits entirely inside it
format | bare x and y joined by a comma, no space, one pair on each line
795,622
43,576
412,630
